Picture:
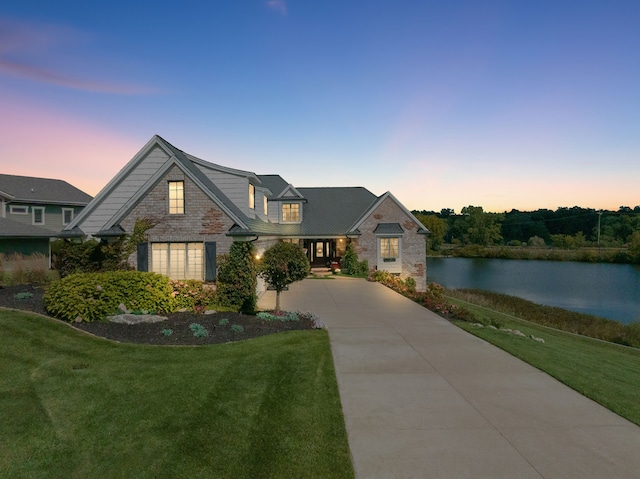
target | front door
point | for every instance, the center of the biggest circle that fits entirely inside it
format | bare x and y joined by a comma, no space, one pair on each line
321,252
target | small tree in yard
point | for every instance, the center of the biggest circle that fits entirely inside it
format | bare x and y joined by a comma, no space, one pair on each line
283,264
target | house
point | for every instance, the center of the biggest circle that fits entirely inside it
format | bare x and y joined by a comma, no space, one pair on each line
199,208
33,210
43,202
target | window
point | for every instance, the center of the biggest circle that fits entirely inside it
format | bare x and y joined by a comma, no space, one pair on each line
389,248
178,260
265,205
38,215
252,197
67,215
176,197
18,210
290,212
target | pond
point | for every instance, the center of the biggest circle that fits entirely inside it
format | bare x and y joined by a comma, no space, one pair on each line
608,290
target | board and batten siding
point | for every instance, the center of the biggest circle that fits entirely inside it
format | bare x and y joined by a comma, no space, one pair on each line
124,191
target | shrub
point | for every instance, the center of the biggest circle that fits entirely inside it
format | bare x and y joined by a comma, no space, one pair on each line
198,330
350,265
237,328
91,296
191,294
223,322
237,278
283,316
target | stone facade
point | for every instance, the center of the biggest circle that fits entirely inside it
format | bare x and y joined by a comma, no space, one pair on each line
203,219
412,244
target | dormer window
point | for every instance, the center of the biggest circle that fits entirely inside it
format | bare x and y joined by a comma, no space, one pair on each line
252,197
290,212
176,197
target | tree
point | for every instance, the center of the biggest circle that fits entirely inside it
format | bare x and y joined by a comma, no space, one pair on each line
237,277
437,228
283,264
482,228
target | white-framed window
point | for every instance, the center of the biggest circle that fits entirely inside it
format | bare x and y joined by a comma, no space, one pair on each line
290,212
176,197
178,260
390,254
252,197
37,215
18,210
265,205
389,248
67,215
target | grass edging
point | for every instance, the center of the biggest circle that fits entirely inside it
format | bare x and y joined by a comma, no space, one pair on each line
605,372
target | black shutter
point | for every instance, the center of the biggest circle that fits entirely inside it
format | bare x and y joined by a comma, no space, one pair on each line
143,256
210,261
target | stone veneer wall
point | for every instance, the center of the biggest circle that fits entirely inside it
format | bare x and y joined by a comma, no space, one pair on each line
203,219
413,245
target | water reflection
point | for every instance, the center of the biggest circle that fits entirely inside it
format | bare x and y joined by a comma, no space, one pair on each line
608,290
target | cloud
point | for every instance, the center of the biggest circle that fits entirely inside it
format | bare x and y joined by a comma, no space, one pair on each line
26,48
278,5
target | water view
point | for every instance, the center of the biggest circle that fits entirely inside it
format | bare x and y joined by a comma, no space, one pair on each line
608,290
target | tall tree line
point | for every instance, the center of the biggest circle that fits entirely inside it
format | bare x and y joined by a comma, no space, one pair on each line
564,227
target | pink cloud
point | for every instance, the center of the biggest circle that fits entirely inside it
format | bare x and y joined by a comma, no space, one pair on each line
278,5
23,45
38,142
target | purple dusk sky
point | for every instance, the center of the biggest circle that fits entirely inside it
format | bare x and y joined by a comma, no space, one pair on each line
499,104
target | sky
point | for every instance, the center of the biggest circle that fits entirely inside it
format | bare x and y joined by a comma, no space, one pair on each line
500,104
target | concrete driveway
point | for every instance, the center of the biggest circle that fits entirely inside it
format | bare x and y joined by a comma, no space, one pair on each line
423,399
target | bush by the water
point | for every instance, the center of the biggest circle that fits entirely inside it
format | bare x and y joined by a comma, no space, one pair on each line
93,296
558,318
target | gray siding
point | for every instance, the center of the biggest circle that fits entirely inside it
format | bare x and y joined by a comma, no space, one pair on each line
235,187
52,215
124,191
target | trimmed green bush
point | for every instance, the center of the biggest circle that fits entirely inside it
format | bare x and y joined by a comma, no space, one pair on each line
237,278
94,296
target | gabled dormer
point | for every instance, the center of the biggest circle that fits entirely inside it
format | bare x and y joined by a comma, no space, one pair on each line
290,202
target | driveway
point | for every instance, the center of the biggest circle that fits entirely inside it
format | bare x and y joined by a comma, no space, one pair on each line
424,399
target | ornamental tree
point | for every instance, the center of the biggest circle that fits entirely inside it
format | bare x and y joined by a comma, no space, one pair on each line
283,264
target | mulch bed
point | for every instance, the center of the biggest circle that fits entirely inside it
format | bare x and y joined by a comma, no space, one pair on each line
180,324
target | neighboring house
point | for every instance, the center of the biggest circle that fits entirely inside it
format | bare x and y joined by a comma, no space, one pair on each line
43,202
33,210
23,239
199,208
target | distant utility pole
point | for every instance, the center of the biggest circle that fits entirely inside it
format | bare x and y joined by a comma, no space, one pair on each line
599,216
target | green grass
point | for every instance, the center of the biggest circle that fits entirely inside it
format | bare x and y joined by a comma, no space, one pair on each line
607,373
76,406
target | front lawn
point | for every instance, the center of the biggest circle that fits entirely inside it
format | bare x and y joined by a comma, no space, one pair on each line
605,372
76,406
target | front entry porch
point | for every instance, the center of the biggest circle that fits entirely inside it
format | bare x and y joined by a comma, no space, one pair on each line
320,251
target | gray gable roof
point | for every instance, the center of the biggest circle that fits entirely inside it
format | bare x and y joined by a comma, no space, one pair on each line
333,210
29,189
388,229
275,183
14,229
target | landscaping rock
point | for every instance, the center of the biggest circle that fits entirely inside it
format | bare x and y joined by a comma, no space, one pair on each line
478,325
491,326
540,340
517,332
136,318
